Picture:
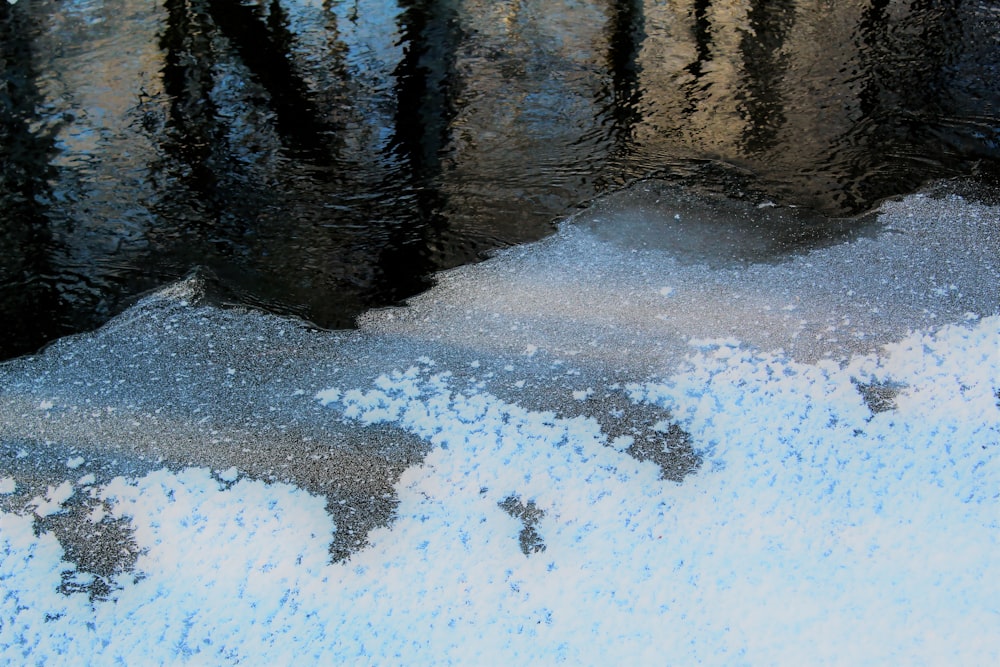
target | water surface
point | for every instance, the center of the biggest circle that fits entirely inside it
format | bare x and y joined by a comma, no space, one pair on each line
319,159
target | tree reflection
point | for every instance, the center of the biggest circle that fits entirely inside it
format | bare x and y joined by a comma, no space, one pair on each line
254,174
903,90
626,32
702,33
264,45
29,288
324,158
188,81
207,42
246,149
426,82
425,87
769,23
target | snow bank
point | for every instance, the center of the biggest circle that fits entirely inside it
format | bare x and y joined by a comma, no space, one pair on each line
818,531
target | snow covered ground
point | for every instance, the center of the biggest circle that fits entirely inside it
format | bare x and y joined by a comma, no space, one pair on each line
649,439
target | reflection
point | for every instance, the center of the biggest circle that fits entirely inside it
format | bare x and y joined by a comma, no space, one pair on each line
255,182
426,81
871,33
192,131
830,106
909,60
251,161
626,32
702,33
903,83
264,46
29,286
426,85
618,103
215,48
765,65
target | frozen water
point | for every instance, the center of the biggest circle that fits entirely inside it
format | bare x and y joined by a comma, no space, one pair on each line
602,448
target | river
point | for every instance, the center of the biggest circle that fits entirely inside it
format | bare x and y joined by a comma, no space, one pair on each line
318,159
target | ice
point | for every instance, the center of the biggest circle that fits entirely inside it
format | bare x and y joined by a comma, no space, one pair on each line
529,466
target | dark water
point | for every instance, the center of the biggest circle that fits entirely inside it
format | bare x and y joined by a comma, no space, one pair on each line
320,158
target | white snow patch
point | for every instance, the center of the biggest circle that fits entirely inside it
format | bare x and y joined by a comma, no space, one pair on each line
328,396
622,442
55,496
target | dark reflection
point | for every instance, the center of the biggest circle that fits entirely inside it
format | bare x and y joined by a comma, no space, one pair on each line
425,86
904,74
29,286
626,32
192,133
207,194
762,44
702,37
702,33
263,44
255,185
619,98
252,179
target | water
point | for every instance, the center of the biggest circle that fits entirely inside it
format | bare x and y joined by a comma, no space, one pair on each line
319,159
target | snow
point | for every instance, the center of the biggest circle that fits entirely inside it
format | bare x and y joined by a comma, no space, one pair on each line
843,509
54,499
